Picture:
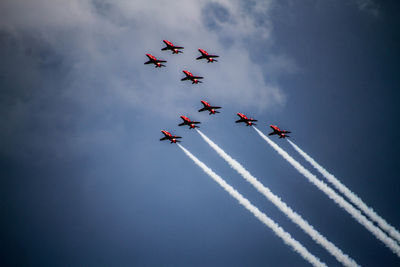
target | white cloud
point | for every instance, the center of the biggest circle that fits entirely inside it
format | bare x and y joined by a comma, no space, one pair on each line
105,42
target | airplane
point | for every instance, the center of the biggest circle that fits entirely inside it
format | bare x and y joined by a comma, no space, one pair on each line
173,48
170,137
187,121
189,76
204,54
281,133
243,118
155,61
208,107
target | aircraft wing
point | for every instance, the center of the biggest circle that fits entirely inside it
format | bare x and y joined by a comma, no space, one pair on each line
202,109
213,56
239,121
197,77
195,122
200,57
164,138
272,133
161,61
215,107
252,120
177,136
286,132
178,47
184,79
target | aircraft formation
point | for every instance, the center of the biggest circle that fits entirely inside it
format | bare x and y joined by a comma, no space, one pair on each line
353,205
206,106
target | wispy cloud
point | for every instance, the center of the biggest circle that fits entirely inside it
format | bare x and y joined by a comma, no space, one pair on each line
369,6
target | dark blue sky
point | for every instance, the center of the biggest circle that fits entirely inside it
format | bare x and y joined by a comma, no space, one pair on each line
85,180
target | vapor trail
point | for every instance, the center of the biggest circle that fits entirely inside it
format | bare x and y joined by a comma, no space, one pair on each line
285,236
356,214
293,216
357,201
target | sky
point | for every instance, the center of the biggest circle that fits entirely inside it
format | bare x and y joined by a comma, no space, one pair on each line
86,182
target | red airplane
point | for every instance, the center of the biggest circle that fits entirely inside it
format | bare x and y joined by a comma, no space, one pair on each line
187,121
170,137
190,76
281,133
155,61
208,107
204,54
243,118
173,48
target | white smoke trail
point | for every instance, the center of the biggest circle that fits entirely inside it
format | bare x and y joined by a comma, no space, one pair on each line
296,218
357,201
356,214
285,236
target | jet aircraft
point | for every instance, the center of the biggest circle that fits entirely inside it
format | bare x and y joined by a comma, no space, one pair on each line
155,61
243,118
173,48
170,137
190,123
208,107
204,54
191,77
281,133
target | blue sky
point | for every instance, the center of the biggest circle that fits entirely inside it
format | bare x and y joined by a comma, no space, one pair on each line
86,181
